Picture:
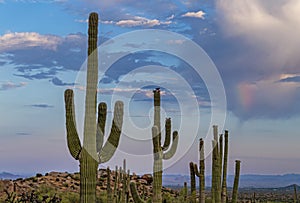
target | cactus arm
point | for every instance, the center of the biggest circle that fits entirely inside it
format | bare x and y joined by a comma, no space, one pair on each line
171,152
196,171
135,195
72,135
102,112
112,142
155,141
168,134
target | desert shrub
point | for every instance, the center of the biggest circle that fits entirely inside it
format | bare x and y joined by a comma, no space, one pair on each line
38,175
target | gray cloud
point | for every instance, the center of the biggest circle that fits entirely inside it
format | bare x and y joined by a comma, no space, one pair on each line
41,106
23,133
59,82
291,79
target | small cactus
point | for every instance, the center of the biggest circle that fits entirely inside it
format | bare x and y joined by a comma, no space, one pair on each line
295,194
236,181
109,190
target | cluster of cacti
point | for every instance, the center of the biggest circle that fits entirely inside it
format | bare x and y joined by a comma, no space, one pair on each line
92,152
160,152
219,171
118,194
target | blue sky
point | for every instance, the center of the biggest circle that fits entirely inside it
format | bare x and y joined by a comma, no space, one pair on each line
254,45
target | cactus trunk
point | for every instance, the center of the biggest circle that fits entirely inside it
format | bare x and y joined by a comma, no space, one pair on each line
236,181
157,179
88,176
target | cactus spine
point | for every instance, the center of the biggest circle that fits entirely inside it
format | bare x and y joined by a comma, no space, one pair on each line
236,181
92,152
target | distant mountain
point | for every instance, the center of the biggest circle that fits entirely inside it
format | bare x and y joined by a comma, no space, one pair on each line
246,181
6,175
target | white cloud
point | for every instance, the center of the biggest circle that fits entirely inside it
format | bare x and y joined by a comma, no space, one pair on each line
199,14
21,40
141,21
171,17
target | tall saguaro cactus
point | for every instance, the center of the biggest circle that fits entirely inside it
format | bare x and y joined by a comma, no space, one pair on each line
200,172
160,152
92,152
224,180
193,182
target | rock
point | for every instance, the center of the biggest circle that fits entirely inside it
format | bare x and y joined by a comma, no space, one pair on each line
148,178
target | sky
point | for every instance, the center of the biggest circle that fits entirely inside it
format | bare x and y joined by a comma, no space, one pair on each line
231,63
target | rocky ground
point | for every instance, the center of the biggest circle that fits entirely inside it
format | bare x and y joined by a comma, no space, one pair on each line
63,182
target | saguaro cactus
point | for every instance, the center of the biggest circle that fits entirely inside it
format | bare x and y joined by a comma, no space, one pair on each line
193,182
216,172
224,180
200,172
109,191
236,181
159,151
295,194
92,152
